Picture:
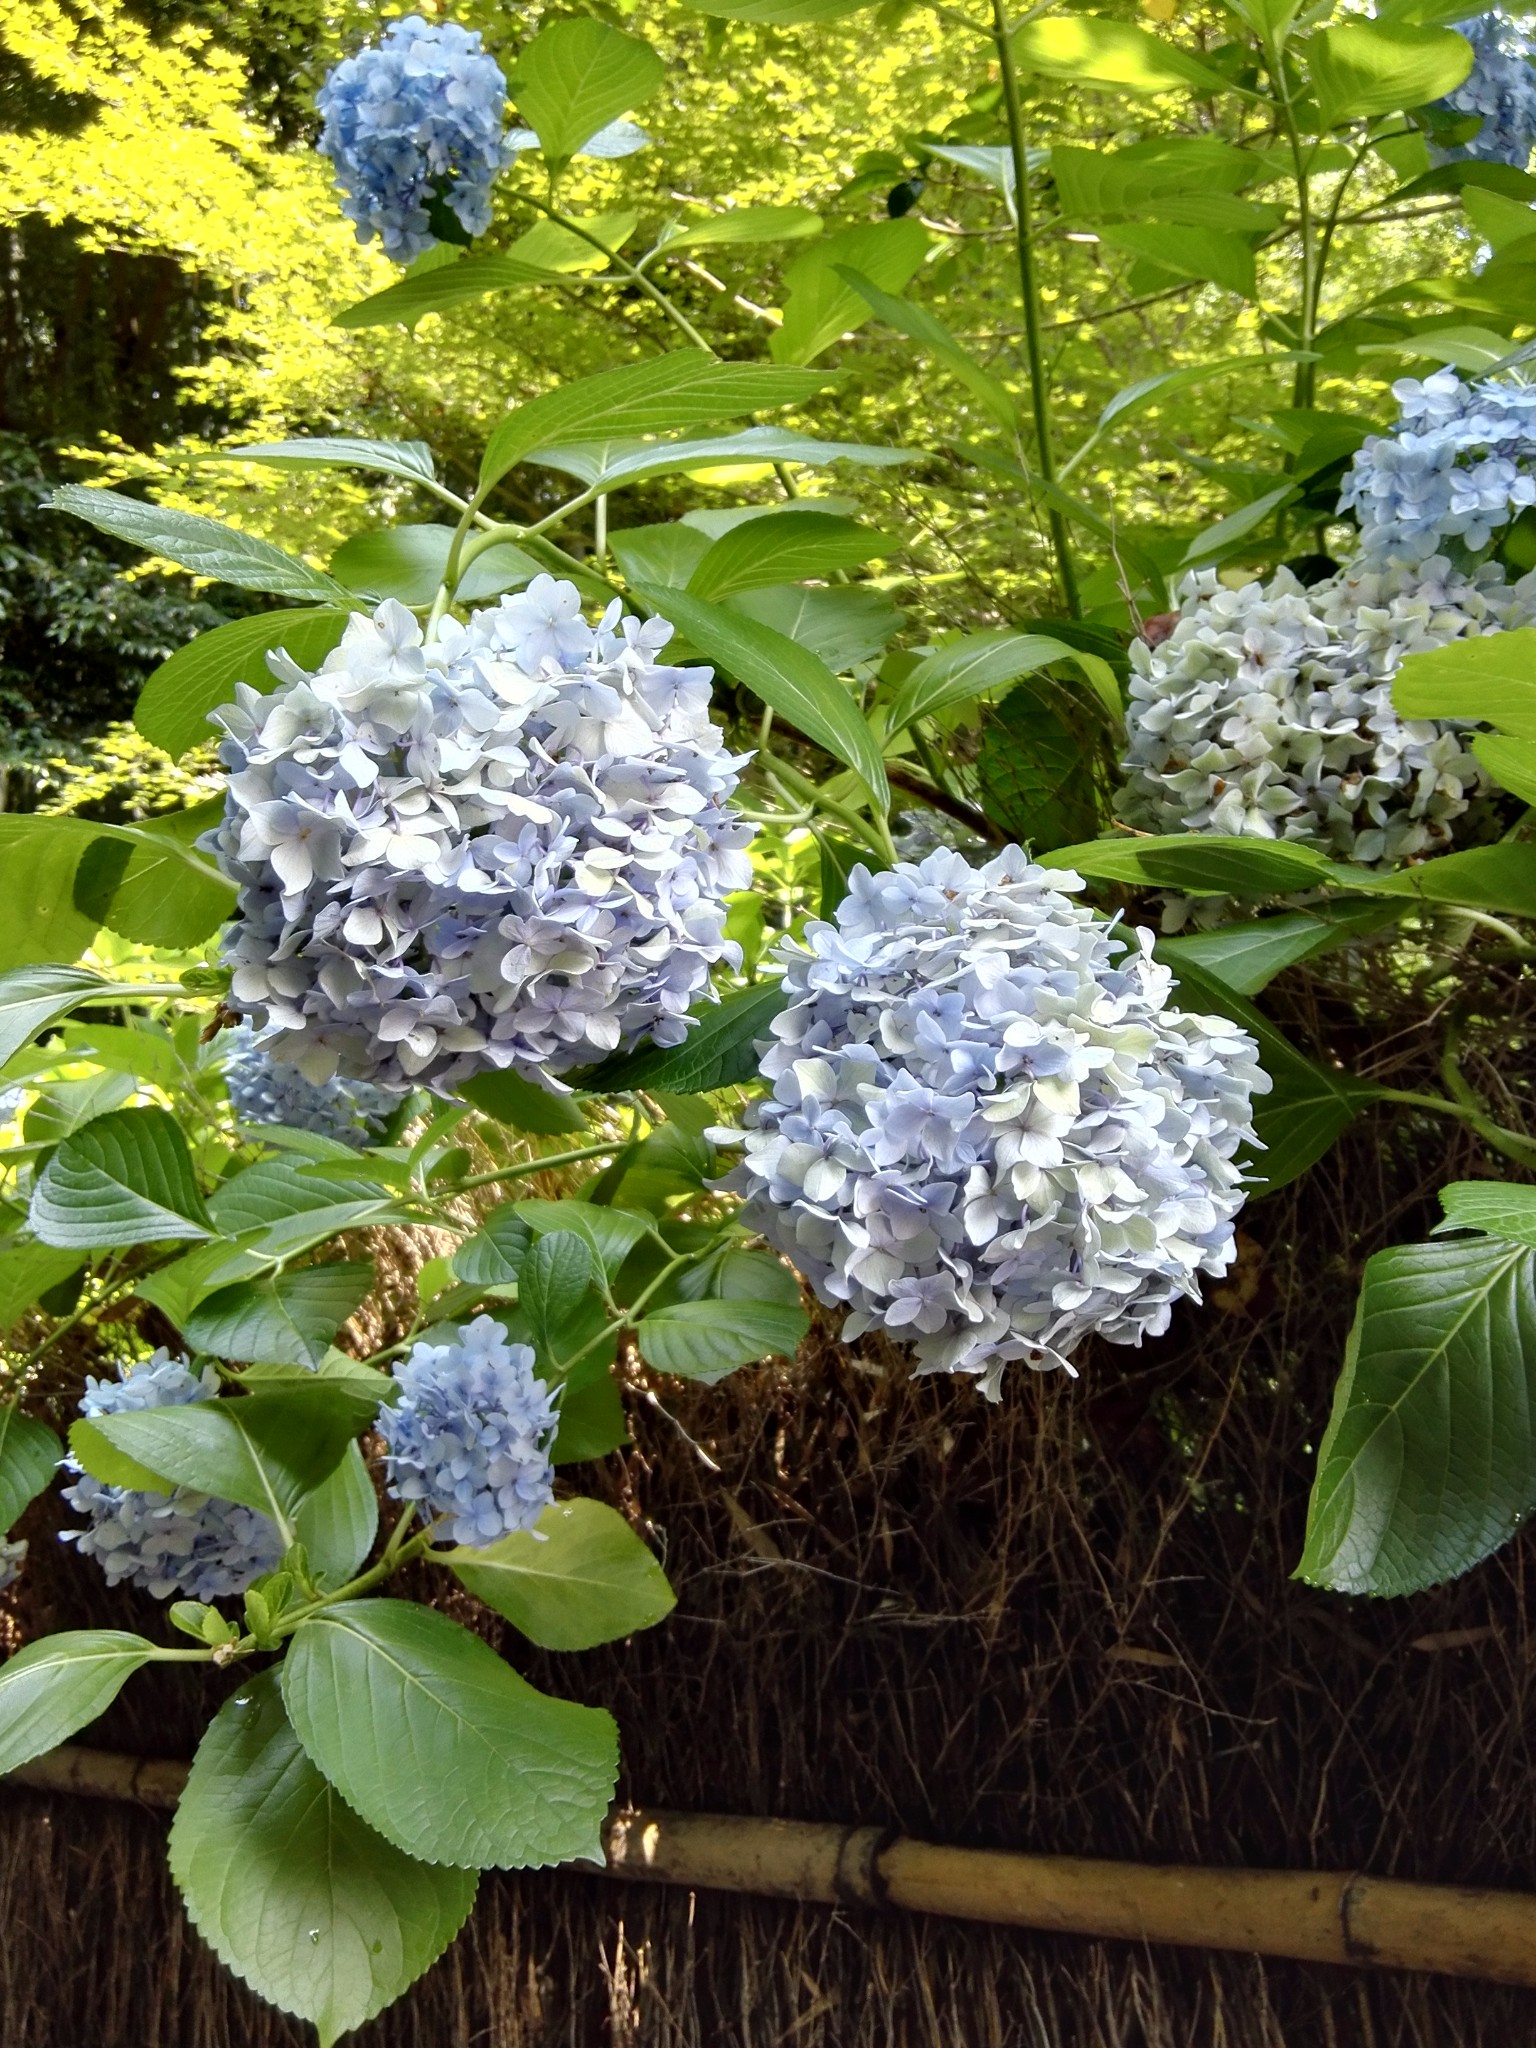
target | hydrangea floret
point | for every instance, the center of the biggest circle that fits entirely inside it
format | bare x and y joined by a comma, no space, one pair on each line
1459,464
990,1133
180,1542
470,1435
1267,710
263,1090
412,121
1500,89
506,845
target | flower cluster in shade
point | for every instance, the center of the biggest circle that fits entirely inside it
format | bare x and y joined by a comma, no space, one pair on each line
181,1542
1267,711
415,118
506,846
469,1436
990,1132
1459,464
263,1090
1500,89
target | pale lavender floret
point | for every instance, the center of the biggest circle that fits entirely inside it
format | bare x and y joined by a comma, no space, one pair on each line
1267,712
418,115
508,846
990,1133
263,1090
1459,465
470,1435
1500,89
177,1543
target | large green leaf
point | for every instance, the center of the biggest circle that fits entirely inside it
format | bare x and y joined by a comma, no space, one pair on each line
925,328
1488,680
29,1457
968,667
821,305
1510,763
548,254
1429,1461
1099,184
27,1271
411,461
149,882
719,1052
1036,767
301,1899
125,1179
1247,955
662,395
1198,864
1202,253
338,1521
265,1450
783,548
612,1233
1112,56
31,998
43,923
842,625
201,545
578,75
1308,1106
450,1755
54,1687
1500,878
552,1283
280,1211
605,465
705,1340
580,1578
743,224
408,563
1360,68
173,706
801,689
493,1257
1501,1208
283,1317
523,1104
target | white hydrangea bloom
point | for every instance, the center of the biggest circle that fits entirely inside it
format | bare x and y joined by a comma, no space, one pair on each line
505,846
1267,711
990,1133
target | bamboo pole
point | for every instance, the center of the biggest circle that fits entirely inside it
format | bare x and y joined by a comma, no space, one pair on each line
1315,1917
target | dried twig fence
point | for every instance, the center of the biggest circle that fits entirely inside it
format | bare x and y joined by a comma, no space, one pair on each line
1315,1917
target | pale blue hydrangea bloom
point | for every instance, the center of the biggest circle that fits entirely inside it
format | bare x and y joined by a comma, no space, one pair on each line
508,846
417,117
1459,465
471,1432
1500,89
990,1133
263,1090
181,1542
1268,711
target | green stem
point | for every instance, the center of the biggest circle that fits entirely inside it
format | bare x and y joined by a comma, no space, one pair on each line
1039,390
1304,382
1510,1143
522,1169
627,270
874,833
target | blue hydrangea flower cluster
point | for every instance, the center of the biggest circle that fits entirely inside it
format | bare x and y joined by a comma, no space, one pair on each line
507,846
1267,710
263,1090
471,1432
1459,465
415,118
1500,88
181,1542
990,1133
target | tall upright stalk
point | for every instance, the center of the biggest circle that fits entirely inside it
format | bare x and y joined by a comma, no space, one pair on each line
1039,389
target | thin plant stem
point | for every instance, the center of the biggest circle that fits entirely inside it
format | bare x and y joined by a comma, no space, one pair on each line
1039,390
521,1169
630,272
1510,1143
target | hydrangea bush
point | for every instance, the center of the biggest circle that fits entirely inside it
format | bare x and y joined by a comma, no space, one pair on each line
1499,93
557,844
